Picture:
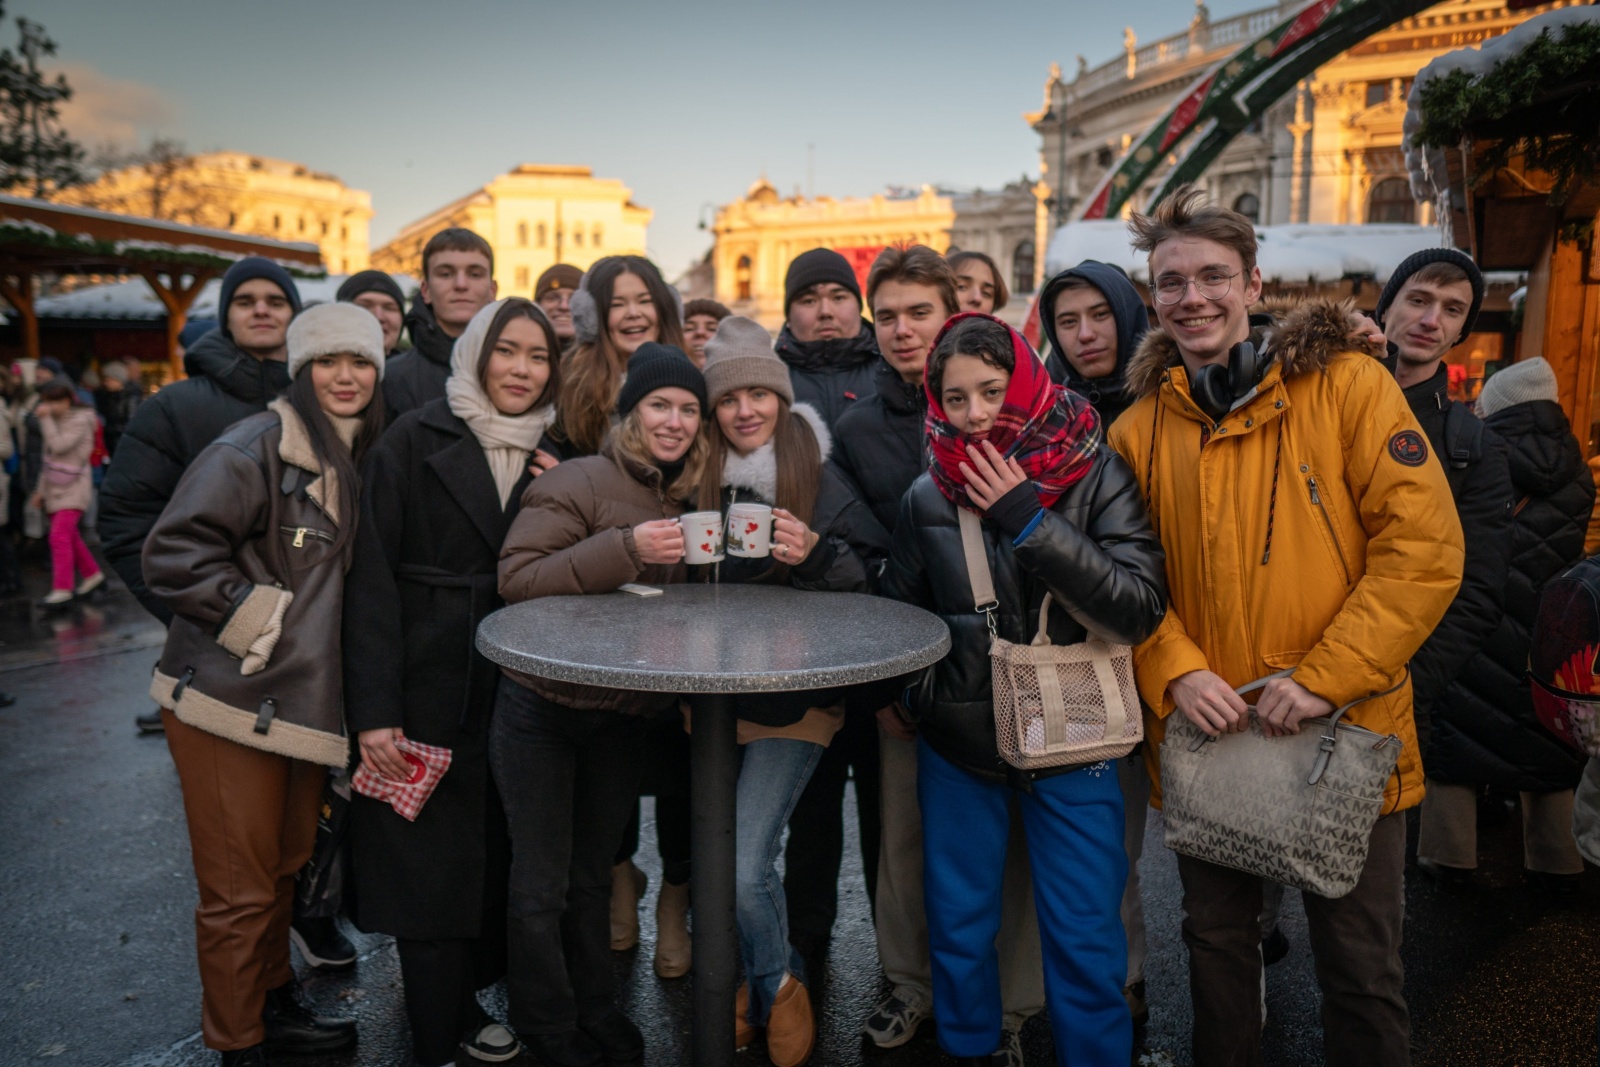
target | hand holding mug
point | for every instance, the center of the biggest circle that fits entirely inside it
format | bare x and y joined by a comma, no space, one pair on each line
990,476
792,539
659,541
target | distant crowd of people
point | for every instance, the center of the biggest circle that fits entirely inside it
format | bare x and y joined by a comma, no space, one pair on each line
323,517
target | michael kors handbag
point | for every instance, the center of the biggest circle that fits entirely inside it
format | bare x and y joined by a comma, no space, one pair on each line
1053,704
1297,809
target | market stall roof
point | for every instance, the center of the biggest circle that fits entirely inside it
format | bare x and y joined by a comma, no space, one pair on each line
36,235
1290,253
133,301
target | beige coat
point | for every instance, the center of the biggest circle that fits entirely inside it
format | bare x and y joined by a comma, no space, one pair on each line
66,482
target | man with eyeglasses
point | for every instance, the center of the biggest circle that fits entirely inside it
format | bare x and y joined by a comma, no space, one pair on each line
1307,525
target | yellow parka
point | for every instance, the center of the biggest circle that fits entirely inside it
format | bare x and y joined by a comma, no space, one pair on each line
1311,527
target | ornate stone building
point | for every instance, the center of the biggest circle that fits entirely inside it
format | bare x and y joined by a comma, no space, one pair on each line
243,193
758,236
1328,152
533,217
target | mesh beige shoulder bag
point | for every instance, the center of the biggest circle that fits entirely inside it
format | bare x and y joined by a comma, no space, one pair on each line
1053,704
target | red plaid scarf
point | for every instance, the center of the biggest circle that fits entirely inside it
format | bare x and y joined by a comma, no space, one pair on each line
1052,432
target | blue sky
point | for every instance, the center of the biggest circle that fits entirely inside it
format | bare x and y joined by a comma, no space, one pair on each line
419,103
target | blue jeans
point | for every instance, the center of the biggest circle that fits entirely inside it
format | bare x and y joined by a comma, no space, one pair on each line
1074,825
773,774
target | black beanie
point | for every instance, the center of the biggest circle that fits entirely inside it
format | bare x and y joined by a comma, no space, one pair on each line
815,267
371,281
655,366
249,269
1415,262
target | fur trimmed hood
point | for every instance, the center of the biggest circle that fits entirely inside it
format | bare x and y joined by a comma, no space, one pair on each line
1302,338
758,471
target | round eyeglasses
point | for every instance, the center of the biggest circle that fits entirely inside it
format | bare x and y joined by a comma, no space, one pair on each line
1211,284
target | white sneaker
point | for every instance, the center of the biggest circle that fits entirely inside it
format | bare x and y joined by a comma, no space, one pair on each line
91,583
1010,1052
494,1044
895,1020
55,596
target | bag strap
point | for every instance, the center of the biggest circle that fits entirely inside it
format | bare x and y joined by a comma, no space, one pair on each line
983,598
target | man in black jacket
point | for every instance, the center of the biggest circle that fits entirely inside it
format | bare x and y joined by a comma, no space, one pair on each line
457,282
380,294
831,352
1427,308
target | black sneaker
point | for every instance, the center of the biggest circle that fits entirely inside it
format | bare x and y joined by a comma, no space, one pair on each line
492,1043
254,1056
1274,947
150,722
619,1039
322,944
569,1048
1451,878
293,1027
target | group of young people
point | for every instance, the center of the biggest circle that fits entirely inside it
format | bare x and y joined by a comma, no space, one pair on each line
323,520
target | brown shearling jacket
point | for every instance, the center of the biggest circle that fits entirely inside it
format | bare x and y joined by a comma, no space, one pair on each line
244,556
574,536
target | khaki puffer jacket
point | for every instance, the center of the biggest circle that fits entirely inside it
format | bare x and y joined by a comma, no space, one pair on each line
574,536
244,556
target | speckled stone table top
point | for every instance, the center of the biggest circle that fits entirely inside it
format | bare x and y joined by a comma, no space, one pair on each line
714,639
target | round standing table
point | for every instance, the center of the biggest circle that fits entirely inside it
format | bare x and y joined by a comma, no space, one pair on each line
718,641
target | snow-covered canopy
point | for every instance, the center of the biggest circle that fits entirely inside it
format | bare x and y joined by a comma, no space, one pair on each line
1427,165
1291,253
132,300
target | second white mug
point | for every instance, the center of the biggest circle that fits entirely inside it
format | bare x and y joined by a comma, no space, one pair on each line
750,530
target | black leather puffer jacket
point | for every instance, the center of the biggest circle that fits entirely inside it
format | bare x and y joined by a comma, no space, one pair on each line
1485,732
1094,552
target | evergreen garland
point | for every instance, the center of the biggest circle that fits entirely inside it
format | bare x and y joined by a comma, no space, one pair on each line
1551,87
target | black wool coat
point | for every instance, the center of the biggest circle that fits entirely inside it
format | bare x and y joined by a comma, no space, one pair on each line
417,375
1484,730
423,577
1483,496
1094,551
165,435
879,443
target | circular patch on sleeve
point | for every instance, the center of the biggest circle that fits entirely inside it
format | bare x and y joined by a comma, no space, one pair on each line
1409,447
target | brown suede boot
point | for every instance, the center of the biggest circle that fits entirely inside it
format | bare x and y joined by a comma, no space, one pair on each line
744,1031
627,886
791,1028
673,949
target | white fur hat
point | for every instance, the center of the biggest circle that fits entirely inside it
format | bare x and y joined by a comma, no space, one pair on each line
329,329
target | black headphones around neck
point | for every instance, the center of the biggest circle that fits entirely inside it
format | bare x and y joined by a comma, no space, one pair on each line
1218,386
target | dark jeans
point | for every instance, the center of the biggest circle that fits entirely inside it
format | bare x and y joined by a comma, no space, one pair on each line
816,831
569,780
666,776
442,979
1355,942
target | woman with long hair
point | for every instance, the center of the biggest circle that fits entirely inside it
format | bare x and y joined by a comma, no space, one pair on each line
439,493
66,488
250,555
621,304
567,757
768,450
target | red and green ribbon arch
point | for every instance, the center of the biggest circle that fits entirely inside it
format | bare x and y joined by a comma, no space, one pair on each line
1238,90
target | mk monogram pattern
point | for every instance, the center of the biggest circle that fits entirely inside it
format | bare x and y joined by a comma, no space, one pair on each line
1243,801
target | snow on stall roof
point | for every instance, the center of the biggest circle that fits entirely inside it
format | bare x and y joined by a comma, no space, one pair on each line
132,299
1289,252
1424,163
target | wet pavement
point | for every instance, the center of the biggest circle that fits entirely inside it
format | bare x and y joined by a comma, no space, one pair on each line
96,947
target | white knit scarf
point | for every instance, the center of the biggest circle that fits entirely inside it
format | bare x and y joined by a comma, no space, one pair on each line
507,440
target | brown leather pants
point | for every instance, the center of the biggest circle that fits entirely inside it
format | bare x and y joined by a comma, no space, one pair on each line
252,825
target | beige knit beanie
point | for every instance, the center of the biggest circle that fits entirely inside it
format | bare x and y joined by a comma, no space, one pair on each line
740,356
1523,381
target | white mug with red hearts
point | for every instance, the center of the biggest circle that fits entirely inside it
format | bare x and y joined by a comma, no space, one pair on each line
702,536
750,530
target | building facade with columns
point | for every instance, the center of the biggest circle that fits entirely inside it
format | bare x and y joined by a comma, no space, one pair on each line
1327,152
759,235
533,217
245,194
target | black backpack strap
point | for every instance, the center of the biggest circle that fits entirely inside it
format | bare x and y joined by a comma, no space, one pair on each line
1463,438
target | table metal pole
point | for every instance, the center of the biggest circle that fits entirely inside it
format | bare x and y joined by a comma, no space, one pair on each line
715,766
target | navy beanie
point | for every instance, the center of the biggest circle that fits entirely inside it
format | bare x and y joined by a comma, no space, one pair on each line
1415,262
814,268
371,281
249,269
656,366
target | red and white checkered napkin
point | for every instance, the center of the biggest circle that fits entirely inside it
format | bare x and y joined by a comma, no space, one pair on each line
428,764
